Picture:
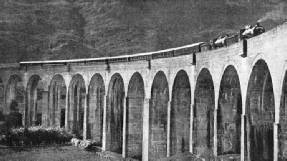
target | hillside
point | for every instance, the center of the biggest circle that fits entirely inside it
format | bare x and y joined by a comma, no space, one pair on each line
67,29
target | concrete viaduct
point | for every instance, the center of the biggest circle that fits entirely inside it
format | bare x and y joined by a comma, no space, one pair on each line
226,101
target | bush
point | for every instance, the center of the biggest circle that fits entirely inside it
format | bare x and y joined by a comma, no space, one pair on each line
13,119
36,135
2,116
10,121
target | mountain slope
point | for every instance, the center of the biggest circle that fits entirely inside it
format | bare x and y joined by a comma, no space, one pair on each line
67,29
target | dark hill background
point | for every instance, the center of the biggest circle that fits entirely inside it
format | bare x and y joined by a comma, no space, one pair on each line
68,29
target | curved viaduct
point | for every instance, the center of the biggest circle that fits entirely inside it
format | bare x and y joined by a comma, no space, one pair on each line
162,104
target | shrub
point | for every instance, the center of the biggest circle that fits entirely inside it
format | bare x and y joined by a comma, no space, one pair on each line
13,119
2,116
10,121
36,135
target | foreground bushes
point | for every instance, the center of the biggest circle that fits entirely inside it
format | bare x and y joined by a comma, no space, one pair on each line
13,119
35,135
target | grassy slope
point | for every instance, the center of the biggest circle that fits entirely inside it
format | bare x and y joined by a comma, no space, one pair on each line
47,154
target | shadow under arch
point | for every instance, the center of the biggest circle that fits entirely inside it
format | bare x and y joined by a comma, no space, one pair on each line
115,109
34,101
229,113
260,114
76,104
283,121
3,105
180,114
203,111
57,101
96,96
158,117
135,105
15,92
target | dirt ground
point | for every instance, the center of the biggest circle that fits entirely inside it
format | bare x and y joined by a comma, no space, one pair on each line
48,153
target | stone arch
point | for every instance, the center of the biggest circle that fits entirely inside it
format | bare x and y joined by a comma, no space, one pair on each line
180,114
35,101
229,113
96,96
57,101
260,109
158,117
199,69
135,105
203,111
234,65
76,105
115,109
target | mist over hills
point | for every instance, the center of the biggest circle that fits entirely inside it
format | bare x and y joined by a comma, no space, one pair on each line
68,29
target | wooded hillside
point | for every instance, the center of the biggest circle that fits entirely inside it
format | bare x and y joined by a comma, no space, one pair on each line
67,29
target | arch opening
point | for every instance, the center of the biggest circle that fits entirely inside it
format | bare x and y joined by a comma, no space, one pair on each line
260,111
203,111
95,110
229,113
180,114
35,101
135,105
57,101
158,117
77,99
115,106
15,94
